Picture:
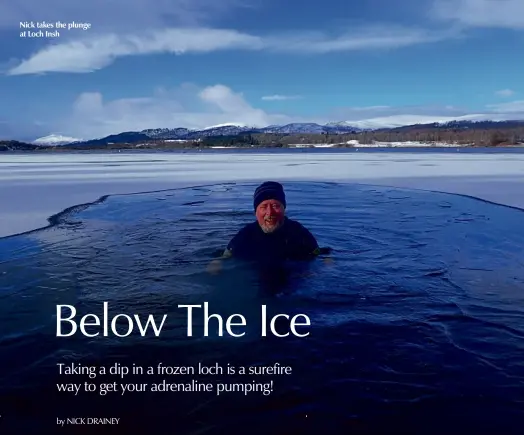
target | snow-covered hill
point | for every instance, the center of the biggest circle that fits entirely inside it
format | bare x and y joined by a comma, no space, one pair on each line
396,123
54,139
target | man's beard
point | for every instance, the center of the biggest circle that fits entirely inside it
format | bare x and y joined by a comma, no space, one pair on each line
271,227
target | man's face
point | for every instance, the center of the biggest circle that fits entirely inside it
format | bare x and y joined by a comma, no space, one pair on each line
270,215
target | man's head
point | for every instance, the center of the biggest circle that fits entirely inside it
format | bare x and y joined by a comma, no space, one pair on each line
269,202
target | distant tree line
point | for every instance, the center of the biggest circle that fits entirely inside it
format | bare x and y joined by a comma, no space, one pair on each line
477,137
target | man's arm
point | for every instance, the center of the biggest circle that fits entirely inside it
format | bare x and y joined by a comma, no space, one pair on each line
216,264
238,243
309,244
313,249
231,246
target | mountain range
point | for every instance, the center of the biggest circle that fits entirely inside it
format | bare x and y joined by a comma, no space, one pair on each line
185,134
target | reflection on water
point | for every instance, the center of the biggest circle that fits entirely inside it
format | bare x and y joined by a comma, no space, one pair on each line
417,316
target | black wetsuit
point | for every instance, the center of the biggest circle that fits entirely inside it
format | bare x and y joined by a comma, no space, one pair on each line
292,241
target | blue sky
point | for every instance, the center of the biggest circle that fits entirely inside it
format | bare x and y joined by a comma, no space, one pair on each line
198,63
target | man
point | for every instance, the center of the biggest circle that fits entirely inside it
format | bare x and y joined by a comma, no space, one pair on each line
273,236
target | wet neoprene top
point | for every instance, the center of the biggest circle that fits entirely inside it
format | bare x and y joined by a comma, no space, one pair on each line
292,241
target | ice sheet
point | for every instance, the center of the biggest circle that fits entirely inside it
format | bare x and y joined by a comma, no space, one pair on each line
34,187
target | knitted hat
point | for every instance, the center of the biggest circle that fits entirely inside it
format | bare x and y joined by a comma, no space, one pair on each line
269,190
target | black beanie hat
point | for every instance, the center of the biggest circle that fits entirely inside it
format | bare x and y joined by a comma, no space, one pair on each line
269,190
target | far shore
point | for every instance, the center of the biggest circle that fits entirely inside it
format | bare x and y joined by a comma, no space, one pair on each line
192,146
450,135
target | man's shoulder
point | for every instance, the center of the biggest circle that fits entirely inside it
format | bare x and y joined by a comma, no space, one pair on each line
248,228
294,225
243,234
301,234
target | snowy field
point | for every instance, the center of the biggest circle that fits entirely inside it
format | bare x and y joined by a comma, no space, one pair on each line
34,187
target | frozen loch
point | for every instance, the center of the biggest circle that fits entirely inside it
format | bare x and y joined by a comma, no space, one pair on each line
34,187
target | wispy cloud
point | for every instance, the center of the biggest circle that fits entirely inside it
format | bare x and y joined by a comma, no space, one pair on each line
481,13
93,53
370,37
513,107
278,97
505,93
391,116
420,112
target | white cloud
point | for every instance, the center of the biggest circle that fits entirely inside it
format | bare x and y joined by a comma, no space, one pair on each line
411,119
415,113
97,51
371,37
187,106
384,116
91,54
278,97
481,13
516,107
505,93
226,100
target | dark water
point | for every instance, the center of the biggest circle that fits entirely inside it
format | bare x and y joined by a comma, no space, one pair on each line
417,316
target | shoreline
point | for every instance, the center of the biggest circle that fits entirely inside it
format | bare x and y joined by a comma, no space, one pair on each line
62,150
351,145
